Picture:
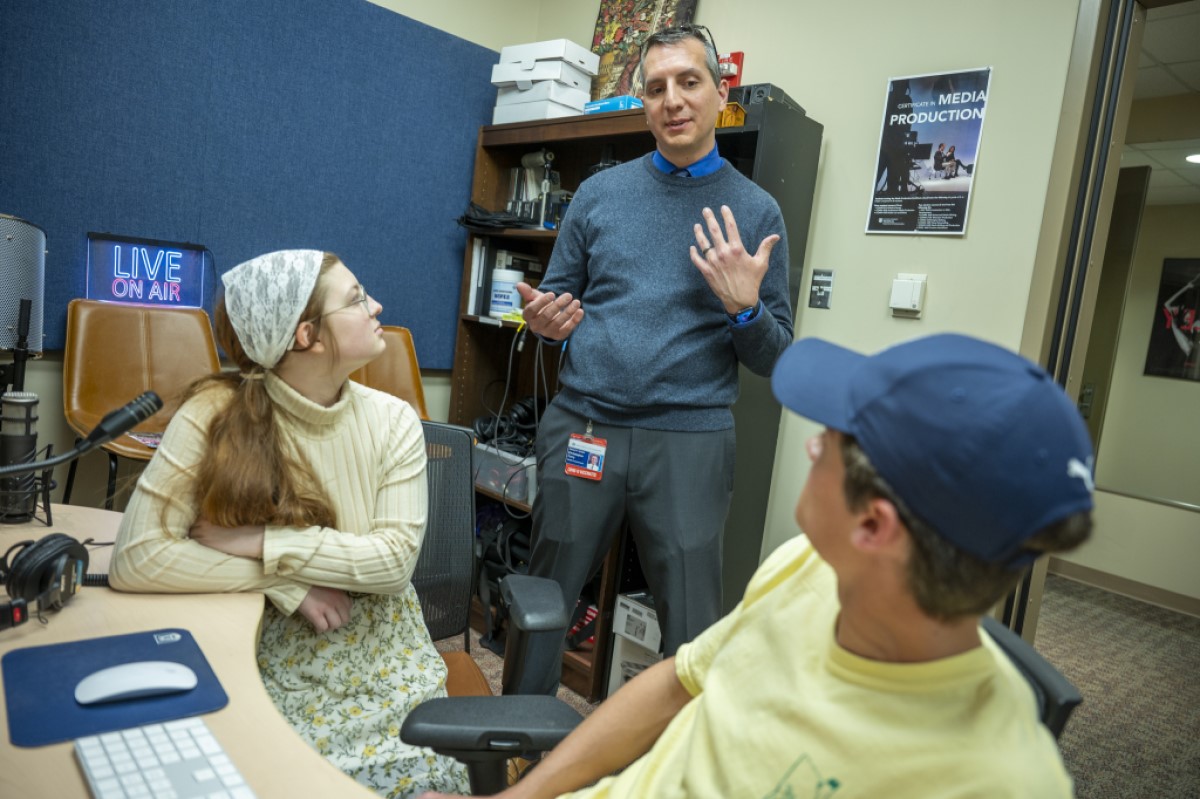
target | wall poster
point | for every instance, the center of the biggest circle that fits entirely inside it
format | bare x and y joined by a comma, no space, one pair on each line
1174,349
621,28
928,153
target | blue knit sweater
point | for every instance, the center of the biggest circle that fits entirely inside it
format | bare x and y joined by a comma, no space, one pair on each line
655,348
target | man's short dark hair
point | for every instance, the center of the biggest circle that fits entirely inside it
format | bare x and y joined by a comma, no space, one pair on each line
947,582
681,33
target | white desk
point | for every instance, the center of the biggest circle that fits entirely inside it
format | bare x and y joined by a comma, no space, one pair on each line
274,760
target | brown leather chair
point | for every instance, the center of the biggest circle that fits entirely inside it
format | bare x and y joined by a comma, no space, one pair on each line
396,371
114,352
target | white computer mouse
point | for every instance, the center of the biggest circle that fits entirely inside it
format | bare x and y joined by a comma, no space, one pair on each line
132,680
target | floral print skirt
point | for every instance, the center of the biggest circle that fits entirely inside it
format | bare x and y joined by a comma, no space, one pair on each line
347,692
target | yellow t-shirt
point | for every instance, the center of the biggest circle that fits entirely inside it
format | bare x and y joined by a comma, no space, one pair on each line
780,710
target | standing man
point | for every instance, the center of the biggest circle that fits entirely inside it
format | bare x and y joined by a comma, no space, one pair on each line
658,293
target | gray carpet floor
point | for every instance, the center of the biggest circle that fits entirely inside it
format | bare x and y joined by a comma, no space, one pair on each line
1137,733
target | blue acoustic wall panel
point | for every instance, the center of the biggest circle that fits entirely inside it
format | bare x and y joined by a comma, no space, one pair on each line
246,126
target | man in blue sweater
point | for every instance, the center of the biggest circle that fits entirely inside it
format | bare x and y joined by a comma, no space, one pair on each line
668,271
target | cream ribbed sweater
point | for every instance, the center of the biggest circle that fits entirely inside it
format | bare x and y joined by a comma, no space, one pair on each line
368,451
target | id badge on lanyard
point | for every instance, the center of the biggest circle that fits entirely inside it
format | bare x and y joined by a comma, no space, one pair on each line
585,455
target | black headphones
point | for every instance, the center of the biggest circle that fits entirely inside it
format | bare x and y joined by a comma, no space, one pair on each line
47,571
513,431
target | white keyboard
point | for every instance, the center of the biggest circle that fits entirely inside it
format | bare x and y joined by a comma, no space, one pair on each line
175,760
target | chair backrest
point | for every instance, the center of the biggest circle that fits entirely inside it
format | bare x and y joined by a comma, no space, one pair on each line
396,371
1056,696
445,572
114,352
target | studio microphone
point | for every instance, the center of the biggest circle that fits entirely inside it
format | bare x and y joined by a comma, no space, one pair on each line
18,445
114,424
122,420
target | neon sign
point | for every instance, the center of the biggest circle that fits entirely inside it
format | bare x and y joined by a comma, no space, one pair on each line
144,271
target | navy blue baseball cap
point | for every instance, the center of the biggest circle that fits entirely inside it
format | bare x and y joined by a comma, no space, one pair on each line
980,443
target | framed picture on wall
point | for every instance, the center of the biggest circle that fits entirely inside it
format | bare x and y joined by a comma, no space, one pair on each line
928,153
622,26
1174,349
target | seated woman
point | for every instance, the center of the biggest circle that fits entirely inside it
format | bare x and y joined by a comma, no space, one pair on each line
953,164
286,478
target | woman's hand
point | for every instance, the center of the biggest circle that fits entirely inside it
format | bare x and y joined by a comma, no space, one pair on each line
242,542
325,608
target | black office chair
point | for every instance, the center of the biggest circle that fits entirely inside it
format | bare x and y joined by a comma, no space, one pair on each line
1056,696
473,726
444,575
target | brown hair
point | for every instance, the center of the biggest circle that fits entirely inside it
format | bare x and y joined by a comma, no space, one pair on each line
947,582
249,475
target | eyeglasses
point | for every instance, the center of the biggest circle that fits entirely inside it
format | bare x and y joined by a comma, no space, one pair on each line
363,299
707,34
699,31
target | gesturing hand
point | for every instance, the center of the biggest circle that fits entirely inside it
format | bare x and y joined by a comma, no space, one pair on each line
733,274
242,542
325,608
549,316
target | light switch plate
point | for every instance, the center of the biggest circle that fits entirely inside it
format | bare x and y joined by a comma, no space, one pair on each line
821,289
908,295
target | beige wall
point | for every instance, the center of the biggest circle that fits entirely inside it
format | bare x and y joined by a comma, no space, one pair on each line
489,23
1148,543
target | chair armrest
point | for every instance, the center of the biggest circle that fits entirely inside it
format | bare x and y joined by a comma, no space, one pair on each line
537,630
483,727
535,604
1055,694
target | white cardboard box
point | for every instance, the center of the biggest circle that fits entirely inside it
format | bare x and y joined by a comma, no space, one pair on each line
544,90
628,660
634,619
505,75
521,112
554,49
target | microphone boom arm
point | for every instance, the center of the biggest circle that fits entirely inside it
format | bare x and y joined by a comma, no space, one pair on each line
114,423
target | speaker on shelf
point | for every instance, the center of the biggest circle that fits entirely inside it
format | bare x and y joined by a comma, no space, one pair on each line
756,94
22,276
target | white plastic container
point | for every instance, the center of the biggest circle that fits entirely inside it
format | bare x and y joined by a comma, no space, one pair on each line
505,298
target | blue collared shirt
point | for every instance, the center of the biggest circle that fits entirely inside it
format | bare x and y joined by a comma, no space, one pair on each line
705,166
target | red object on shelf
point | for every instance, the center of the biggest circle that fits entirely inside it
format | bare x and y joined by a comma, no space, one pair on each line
730,65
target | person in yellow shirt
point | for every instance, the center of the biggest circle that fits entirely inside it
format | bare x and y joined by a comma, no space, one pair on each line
287,478
855,665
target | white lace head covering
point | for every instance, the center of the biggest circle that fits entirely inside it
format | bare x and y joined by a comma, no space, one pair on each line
264,298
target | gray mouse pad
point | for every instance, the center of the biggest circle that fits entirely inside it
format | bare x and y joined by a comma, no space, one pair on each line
39,686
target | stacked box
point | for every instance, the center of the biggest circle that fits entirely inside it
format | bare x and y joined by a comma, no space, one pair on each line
636,638
542,80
